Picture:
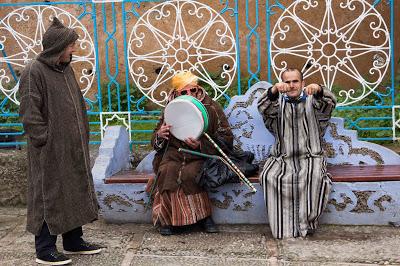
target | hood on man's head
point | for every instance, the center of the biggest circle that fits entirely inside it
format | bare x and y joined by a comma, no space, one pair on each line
56,38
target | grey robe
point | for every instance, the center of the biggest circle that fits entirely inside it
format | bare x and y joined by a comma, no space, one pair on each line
60,184
294,178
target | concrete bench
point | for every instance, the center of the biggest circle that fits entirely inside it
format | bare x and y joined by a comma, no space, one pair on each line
340,173
366,176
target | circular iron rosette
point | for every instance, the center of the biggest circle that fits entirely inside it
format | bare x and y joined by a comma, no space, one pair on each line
179,36
344,45
21,33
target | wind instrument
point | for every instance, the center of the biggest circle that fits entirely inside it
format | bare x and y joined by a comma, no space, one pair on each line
212,157
231,164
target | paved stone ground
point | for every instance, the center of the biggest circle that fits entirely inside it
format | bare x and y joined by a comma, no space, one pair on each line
140,244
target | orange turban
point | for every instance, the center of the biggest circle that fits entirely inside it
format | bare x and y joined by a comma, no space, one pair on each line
180,80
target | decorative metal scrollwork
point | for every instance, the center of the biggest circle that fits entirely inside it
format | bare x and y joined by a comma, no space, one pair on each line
180,36
329,46
21,33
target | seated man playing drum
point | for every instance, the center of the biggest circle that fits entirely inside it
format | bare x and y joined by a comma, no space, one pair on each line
178,200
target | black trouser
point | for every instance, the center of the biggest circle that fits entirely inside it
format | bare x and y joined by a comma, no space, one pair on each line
45,243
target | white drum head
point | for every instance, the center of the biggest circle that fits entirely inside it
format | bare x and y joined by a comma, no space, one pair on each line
185,118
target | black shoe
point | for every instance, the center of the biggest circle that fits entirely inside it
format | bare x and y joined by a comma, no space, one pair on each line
209,225
54,258
83,248
310,232
166,230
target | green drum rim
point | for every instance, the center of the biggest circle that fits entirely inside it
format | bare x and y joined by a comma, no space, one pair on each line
200,106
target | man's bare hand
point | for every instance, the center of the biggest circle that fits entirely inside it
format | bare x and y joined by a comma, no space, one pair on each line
163,131
281,87
312,89
192,143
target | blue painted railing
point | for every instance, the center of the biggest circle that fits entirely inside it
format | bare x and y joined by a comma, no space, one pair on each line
115,89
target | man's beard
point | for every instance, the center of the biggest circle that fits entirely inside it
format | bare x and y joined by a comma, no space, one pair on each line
66,62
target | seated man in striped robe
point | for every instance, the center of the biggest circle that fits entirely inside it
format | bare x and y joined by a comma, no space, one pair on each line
178,199
294,178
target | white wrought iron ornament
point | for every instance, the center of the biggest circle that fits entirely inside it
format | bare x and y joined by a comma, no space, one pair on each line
19,45
180,36
396,122
330,48
106,118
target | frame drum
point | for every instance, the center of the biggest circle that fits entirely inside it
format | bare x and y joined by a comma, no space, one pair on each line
187,116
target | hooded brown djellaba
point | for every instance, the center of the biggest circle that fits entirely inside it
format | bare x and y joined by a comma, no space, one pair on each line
60,183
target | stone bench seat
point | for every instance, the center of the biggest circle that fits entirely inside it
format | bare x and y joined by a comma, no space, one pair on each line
366,176
340,173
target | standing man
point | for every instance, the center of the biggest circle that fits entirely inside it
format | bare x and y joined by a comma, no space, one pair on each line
295,182
61,195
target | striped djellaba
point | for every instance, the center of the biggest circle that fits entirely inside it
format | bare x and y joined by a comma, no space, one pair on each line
178,209
294,178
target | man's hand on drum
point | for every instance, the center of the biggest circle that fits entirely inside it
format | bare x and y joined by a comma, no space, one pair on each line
192,143
163,131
